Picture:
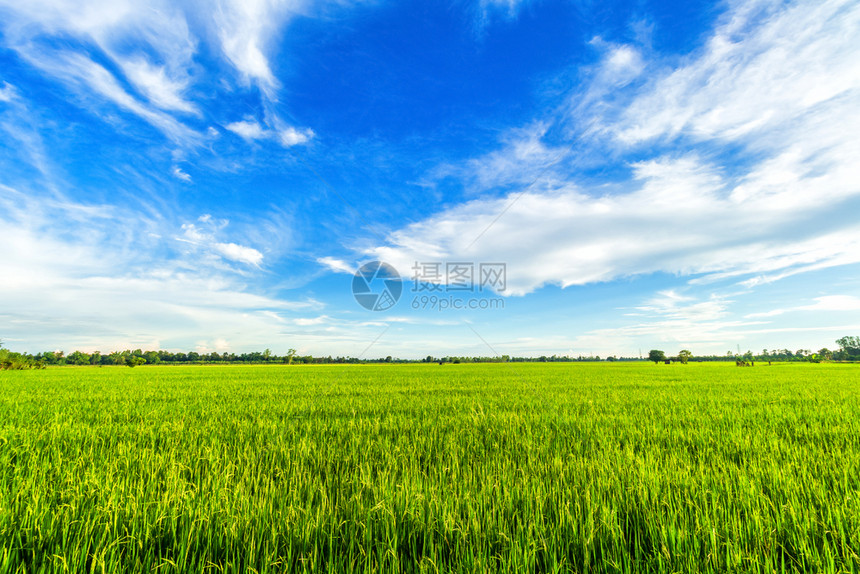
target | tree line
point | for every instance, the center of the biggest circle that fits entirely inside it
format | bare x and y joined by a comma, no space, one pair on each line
848,350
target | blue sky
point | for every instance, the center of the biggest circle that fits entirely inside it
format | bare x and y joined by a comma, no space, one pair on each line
210,176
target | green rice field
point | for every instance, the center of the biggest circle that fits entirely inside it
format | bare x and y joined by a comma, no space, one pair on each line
426,468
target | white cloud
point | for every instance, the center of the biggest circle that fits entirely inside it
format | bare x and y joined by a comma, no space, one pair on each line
251,130
679,220
779,209
8,92
671,305
621,63
509,9
757,71
21,122
162,90
524,159
304,322
291,136
245,28
672,322
154,50
624,62
239,253
103,290
114,26
80,72
337,265
248,129
179,174
203,236
834,303
838,303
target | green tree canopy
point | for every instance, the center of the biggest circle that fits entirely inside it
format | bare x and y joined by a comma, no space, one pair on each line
850,346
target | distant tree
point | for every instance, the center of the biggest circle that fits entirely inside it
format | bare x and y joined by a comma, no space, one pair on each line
849,347
684,356
17,361
134,360
291,354
656,355
78,358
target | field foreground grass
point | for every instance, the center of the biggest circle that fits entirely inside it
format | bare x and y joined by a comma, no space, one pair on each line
427,468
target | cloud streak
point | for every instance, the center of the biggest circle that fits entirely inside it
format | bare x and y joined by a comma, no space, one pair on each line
250,130
143,57
104,289
783,85
202,236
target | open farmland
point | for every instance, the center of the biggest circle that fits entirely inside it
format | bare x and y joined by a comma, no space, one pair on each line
402,468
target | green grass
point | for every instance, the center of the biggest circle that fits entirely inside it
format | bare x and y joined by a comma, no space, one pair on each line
422,468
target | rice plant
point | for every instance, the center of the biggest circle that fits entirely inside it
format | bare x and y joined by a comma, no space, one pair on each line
422,468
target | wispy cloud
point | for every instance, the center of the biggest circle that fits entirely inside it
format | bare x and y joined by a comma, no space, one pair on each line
245,28
251,130
103,290
673,322
8,92
163,91
151,50
248,129
837,303
760,71
304,322
178,173
112,28
20,121
291,136
490,10
81,73
783,84
239,253
680,220
203,236
337,265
